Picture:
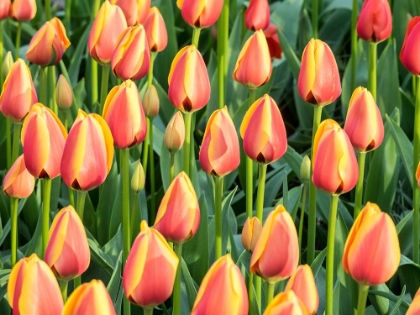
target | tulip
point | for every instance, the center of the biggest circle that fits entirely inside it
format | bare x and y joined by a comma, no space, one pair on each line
149,273
273,41
48,45
372,252
67,252
90,298
33,289
23,10
174,136
4,9
18,93
200,13
125,116
189,84
286,303
135,11
257,15
88,152
63,93
223,288
18,182
276,253
415,305
319,80
219,152
334,164
131,58
155,28
411,48
302,283
250,233
375,21
253,67
151,102
178,216
263,131
106,29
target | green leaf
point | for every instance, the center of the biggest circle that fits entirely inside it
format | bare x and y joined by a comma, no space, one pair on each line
291,58
99,256
188,289
77,57
286,16
115,285
405,233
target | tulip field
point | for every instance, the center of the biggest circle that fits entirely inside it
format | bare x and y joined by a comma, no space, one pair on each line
210,157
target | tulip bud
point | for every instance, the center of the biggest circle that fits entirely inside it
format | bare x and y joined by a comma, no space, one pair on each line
63,93
18,93
219,152
175,133
23,10
273,41
364,124
4,9
155,28
246,71
138,179
88,152
375,21
410,49
90,298
125,116
372,252
189,84
178,216
319,79
250,233
257,15
7,64
302,283
286,303
200,13
305,169
149,273
263,131
33,289
334,163
276,253
135,11
18,182
151,102
414,308
223,287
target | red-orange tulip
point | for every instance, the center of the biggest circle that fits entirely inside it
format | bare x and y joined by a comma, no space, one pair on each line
175,133
18,182
4,9
48,45
276,253
178,216
334,163
223,288
149,274
257,15
135,11
43,138
263,131
33,289
364,124
18,93
23,10
414,308
106,29
200,13
319,79
253,67
88,152
273,41
372,251
67,253
286,303
250,233
219,152
189,84
156,33
63,93
375,21
411,47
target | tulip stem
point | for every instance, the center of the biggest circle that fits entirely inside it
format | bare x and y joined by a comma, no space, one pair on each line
80,207
218,193
187,142
251,293
222,47
177,286
152,173
18,36
135,211
14,202
66,126
416,151
258,286
145,150
96,5
94,81
302,216
150,73
48,10
104,85
363,293
147,311
8,144
249,168
359,187
196,36
63,288
46,212
262,170
330,255
43,85
172,168
315,18
354,44
67,15
270,292
372,69
51,90
16,141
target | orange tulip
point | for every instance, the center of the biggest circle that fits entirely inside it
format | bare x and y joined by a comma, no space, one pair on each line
18,182
90,298
273,41
375,21
178,216
253,67
250,233
175,133
48,45
334,163
151,102
67,253
219,152
106,29
364,124
149,274
276,253
4,9
189,84
125,116
319,80
156,33
263,131
257,15
286,303
200,13
135,11
411,49
33,289
223,288
63,93
88,152
302,283
372,252
414,308
43,138
23,10
18,93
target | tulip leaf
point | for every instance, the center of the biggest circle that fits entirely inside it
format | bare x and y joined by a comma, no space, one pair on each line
380,303
409,272
35,245
273,184
4,278
398,300
166,109
115,285
188,289
76,58
405,233
318,261
291,58
286,16
304,110
335,29
98,256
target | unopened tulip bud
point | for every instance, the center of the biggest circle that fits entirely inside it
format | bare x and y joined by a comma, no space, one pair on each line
286,303
200,13
7,64
138,179
305,169
410,49
18,182
156,33
63,93
273,41
250,233
23,10
414,308
5,9
257,15
175,133
151,102
375,21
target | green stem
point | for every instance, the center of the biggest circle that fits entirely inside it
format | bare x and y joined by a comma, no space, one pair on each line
16,141
416,190
150,73
8,143
147,311
145,150
94,81
66,126
104,85
46,212
270,292
250,293
80,208
222,48
249,168
63,288
135,211
361,304
372,69
218,194
330,255
354,44
18,36
177,285
302,216
172,168
51,90
43,85
48,10
187,142
152,173
14,202
262,170
258,286
359,187
196,36
315,7
67,15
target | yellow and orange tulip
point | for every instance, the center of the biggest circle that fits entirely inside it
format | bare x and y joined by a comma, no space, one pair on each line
135,11
410,49
414,308
23,10
63,93
200,13
250,233
175,133
18,182
286,303
5,9
375,21
257,15
156,33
